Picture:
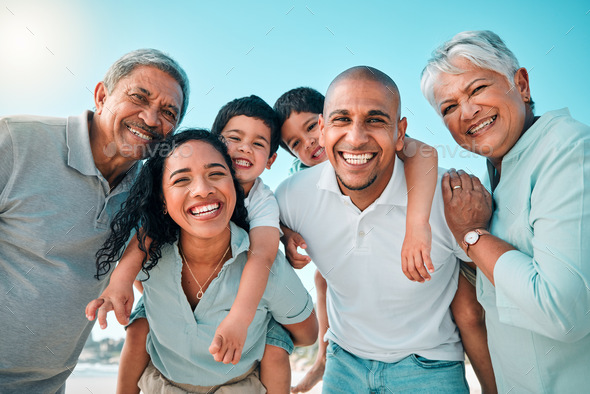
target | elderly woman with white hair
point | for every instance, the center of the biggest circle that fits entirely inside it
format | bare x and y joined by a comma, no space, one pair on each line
534,263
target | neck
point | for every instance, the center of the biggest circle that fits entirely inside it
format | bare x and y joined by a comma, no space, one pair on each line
247,186
205,252
529,120
107,159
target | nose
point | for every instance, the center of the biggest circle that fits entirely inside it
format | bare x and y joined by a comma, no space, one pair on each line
150,116
310,142
201,187
357,134
245,147
469,109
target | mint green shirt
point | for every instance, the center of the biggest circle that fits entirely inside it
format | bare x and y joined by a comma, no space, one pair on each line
538,315
179,338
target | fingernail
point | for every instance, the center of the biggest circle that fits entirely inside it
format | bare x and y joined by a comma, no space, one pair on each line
103,326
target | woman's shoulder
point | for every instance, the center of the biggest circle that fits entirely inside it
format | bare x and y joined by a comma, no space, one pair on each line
560,125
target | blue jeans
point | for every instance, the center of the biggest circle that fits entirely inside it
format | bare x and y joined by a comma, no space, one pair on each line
278,336
347,373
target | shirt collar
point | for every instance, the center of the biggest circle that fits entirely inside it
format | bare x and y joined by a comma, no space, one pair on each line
533,133
78,142
395,193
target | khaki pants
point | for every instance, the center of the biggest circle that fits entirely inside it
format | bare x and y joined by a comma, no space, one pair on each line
153,382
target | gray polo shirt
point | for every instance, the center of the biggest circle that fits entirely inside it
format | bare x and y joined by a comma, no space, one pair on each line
55,211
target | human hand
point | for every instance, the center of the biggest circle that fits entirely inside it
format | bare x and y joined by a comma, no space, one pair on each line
416,252
117,297
228,341
468,205
292,241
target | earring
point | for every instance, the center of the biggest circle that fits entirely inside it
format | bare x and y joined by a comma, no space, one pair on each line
165,211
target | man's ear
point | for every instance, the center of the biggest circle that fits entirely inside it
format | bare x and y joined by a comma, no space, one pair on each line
100,96
401,134
321,125
521,83
271,160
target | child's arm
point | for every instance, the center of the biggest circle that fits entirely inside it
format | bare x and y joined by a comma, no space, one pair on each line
231,334
118,295
421,169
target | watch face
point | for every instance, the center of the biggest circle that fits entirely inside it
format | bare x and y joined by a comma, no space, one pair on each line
471,237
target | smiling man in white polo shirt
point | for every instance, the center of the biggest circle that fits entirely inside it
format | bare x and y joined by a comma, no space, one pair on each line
386,332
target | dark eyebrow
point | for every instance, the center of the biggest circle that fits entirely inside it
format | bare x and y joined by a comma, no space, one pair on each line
213,165
466,88
242,132
207,166
179,171
339,112
376,112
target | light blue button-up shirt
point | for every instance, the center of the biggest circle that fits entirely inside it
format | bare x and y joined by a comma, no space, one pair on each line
179,338
538,315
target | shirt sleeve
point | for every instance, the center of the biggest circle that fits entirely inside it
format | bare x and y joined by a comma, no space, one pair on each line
6,161
264,209
290,302
548,292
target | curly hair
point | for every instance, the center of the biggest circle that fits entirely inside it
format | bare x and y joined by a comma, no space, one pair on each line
142,211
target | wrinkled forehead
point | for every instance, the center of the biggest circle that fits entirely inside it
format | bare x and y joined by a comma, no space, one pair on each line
349,93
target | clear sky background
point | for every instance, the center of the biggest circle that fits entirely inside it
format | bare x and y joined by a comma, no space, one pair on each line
52,54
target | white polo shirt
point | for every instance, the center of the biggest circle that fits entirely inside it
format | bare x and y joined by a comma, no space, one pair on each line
375,312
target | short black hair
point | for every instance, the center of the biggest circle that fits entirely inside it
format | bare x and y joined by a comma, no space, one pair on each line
252,107
302,99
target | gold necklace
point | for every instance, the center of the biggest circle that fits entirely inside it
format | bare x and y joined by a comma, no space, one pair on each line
200,292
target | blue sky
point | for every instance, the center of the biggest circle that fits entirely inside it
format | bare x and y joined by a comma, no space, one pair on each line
54,53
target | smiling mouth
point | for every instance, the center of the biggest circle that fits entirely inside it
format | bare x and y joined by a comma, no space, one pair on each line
138,132
357,160
205,210
243,163
320,151
480,126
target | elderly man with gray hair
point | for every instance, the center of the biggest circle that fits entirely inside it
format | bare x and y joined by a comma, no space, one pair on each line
61,182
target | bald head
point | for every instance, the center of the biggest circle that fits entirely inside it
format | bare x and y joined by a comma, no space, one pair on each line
365,73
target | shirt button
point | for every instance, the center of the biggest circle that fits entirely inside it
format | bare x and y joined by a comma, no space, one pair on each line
362,234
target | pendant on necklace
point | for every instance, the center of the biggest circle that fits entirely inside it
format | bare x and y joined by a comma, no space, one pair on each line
200,294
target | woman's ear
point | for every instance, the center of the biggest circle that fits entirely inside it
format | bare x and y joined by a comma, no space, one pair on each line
521,84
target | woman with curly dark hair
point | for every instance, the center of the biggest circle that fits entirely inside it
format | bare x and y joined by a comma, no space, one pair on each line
188,203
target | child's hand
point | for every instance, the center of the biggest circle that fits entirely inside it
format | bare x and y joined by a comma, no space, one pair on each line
416,252
115,297
229,340
292,241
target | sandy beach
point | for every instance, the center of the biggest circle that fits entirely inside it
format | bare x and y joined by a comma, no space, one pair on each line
104,380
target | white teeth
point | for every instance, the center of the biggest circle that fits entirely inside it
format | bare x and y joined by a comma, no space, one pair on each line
243,163
357,159
482,125
205,209
319,152
140,135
